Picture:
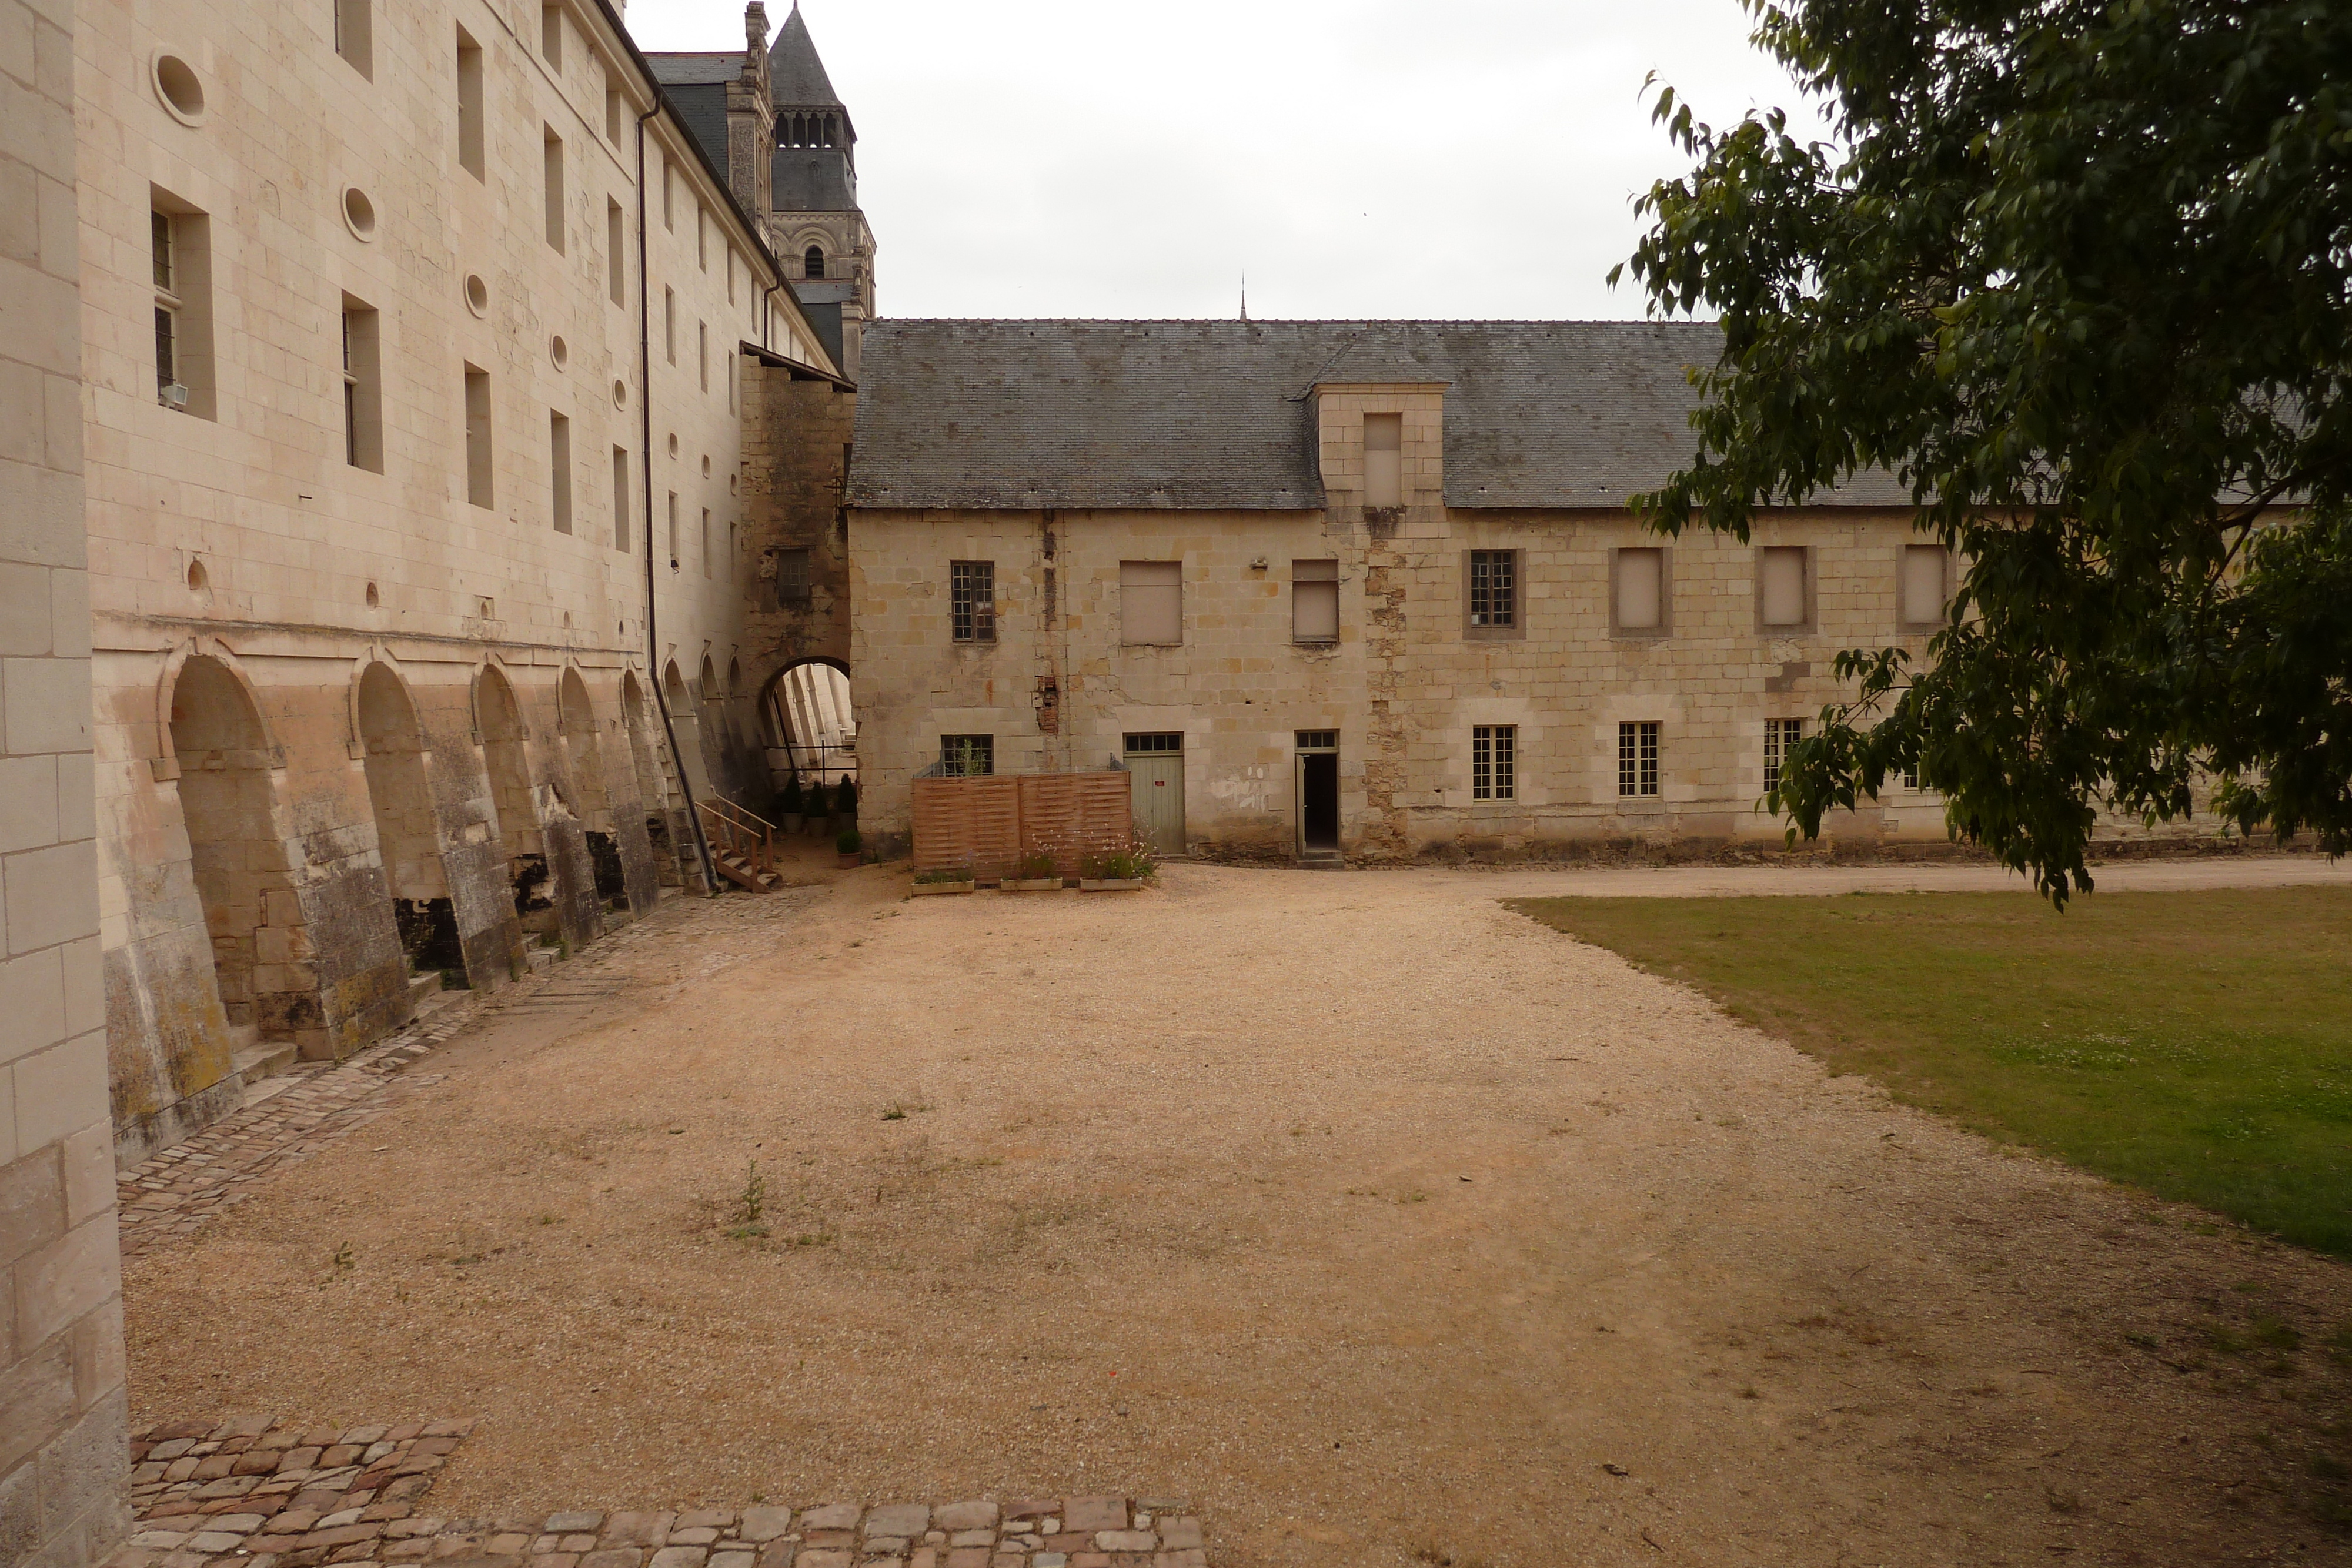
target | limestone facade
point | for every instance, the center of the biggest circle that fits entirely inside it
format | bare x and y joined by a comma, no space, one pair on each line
459,319
63,1402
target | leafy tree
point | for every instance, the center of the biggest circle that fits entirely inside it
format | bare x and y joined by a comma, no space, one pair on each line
2077,273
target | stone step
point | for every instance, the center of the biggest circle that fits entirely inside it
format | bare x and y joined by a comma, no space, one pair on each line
422,988
264,1058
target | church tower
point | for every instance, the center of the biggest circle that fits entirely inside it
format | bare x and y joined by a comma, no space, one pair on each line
814,223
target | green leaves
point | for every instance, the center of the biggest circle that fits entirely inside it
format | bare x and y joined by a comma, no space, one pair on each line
2081,275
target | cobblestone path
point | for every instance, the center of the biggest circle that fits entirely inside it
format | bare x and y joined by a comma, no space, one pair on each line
252,1494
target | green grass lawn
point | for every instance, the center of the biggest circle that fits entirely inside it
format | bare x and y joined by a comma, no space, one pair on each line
2198,1045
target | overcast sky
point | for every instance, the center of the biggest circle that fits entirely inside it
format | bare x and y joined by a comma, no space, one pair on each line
1449,158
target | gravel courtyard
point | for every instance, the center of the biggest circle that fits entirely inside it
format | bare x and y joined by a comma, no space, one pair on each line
1379,1223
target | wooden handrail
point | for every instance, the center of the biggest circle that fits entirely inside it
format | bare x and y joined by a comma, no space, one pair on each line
743,832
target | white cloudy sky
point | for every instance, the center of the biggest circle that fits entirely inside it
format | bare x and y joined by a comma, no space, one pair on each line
1355,158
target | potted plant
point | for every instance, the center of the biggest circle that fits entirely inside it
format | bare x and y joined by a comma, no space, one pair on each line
944,879
845,805
1036,873
849,844
1122,869
793,804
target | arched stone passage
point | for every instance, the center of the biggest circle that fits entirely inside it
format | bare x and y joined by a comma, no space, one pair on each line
268,989
585,759
809,723
406,834
520,833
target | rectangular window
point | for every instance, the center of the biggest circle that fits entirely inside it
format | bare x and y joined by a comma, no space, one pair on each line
554,189
1925,568
968,756
1383,460
673,530
1494,590
353,36
1780,596
1493,762
701,236
1911,776
670,323
732,550
617,252
1152,603
972,600
730,383
1780,734
702,352
558,465
362,388
550,36
791,577
1155,744
469,105
1637,759
477,437
1315,739
730,274
613,113
1314,600
182,241
620,497
1637,598
704,543
669,196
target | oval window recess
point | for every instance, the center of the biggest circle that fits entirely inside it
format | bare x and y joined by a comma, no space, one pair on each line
373,598
706,464
620,394
478,294
359,213
673,444
180,88
559,352
731,484
198,580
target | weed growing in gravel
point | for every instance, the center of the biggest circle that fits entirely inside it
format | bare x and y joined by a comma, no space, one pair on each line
749,1204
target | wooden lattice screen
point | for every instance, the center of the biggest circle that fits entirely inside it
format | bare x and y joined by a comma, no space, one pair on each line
991,824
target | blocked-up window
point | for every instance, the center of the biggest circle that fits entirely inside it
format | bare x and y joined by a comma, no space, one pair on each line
479,466
669,196
1639,589
1780,737
612,111
793,577
616,253
702,353
551,36
554,185
1494,762
1637,759
670,323
704,542
469,105
1494,590
1152,603
1383,460
673,530
620,497
353,35
1780,586
972,600
559,470
701,236
1314,600
968,756
1924,576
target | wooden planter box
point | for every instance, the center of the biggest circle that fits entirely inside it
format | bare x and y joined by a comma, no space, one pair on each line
1031,885
1109,885
928,889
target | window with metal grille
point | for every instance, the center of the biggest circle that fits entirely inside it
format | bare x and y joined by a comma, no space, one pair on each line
1781,735
972,600
793,576
967,756
1138,745
1493,762
1319,740
1493,588
1637,757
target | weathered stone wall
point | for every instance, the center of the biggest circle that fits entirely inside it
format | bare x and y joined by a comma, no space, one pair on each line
63,1463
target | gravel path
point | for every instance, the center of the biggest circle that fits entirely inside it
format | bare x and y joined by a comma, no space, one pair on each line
1366,1216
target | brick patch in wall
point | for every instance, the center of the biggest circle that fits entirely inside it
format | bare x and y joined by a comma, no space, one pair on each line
252,1493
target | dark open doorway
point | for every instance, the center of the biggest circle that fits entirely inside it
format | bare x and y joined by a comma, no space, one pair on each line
1318,790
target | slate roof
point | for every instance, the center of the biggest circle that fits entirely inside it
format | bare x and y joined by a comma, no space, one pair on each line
1015,415
797,77
699,68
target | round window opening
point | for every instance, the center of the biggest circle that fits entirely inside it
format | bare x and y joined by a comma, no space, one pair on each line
478,294
359,213
177,84
372,599
620,394
559,352
198,581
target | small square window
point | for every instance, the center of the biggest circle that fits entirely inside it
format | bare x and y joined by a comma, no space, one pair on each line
967,756
1780,735
972,600
1493,762
793,577
1637,759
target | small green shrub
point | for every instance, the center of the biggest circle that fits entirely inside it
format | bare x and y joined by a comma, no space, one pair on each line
845,800
848,842
1038,866
944,873
792,801
1135,861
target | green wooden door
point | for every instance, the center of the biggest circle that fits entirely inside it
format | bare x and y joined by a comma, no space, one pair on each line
1155,764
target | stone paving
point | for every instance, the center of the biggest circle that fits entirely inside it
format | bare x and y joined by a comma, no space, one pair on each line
253,1494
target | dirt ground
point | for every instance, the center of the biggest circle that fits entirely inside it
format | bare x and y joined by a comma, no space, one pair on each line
1366,1215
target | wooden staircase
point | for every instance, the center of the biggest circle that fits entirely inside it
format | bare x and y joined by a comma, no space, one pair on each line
742,844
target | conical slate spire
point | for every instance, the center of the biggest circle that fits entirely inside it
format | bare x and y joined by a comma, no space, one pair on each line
797,77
